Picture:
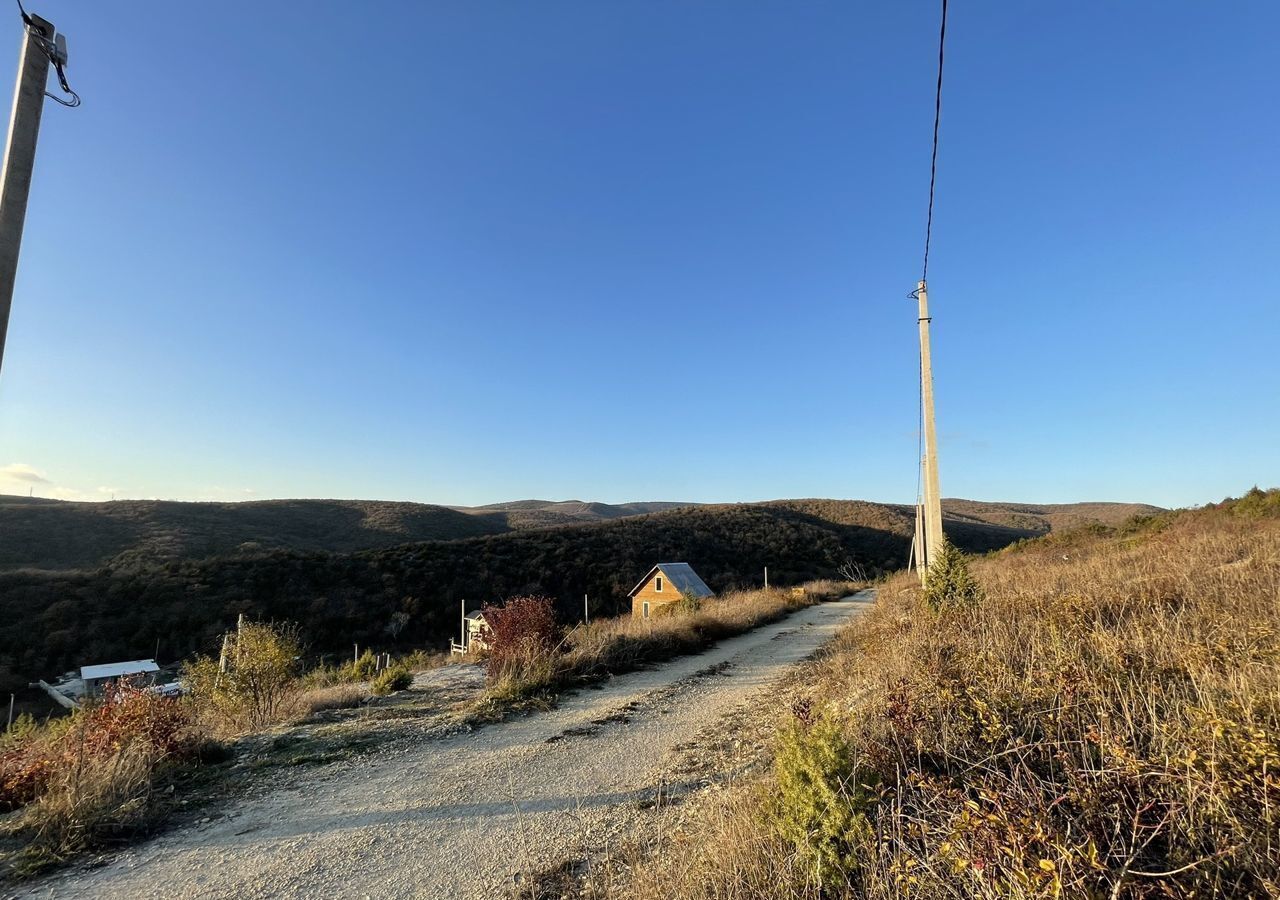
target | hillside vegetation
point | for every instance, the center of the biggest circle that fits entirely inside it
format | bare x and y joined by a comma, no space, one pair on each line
1101,720
64,535
68,536
518,515
61,535
409,594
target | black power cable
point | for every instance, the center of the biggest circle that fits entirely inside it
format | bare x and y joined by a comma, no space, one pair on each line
933,164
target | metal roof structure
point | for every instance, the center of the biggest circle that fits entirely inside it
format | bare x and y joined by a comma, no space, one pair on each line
680,576
118,670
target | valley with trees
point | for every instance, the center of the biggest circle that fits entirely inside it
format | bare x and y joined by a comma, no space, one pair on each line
161,586
682,251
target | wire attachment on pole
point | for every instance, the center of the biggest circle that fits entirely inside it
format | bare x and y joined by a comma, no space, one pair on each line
53,46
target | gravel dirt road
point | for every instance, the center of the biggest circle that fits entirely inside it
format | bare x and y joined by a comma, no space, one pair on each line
471,814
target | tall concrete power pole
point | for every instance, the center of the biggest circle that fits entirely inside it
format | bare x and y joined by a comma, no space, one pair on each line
39,44
932,506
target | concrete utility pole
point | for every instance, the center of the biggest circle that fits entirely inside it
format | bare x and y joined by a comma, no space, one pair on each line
20,156
933,536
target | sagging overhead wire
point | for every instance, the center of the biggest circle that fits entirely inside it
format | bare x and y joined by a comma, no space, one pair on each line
933,163
56,54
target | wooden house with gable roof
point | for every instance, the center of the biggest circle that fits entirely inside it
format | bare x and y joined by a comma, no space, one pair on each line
666,583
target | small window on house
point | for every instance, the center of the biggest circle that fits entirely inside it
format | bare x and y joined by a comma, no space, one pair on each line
657,584
644,610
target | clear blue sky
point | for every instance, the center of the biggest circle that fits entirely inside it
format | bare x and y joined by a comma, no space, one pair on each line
471,251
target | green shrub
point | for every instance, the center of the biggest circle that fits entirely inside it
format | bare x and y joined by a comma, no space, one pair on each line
687,605
362,668
256,679
821,806
949,583
395,678
23,728
1257,504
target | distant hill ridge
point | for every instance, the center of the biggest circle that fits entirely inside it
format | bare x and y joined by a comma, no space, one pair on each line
55,535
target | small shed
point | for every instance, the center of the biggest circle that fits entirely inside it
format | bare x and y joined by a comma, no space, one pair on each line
96,678
665,584
477,631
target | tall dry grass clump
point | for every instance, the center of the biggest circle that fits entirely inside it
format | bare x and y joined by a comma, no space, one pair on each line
536,656
88,779
625,642
1104,721
523,644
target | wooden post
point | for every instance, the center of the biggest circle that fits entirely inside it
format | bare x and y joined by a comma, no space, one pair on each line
766,578
10,725
586,611
356,658
933,536
464,624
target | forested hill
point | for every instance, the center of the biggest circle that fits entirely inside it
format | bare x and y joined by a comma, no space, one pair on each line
56,620
56,534
66,536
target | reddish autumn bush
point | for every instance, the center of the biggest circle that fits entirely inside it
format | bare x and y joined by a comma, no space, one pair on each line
127,717
24,772
522,637
130,714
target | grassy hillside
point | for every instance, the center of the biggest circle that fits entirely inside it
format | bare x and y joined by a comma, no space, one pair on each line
1103,721
50,621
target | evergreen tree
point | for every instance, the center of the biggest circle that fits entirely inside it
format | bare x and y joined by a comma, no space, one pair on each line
950,584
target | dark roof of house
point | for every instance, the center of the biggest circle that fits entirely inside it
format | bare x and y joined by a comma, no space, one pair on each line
680,576
478,614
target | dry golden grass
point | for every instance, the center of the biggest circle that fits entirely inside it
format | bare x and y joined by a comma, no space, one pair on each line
86,806
623,643
335,696
1104,722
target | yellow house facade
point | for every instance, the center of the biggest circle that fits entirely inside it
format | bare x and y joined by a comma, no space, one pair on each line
665,584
